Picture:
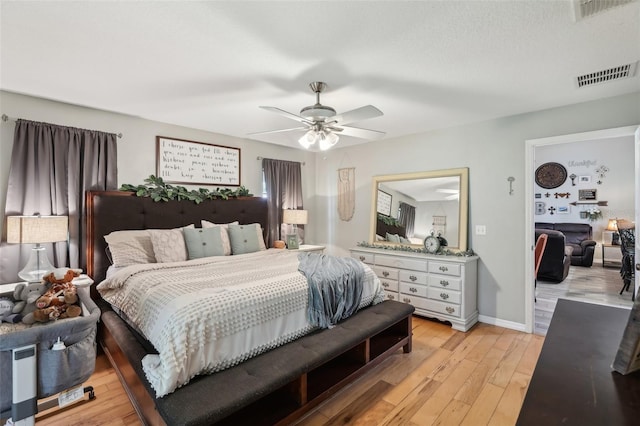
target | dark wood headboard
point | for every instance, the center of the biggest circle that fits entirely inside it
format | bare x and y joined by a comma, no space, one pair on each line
109,211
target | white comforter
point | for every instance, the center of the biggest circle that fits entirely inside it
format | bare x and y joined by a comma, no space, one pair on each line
209,314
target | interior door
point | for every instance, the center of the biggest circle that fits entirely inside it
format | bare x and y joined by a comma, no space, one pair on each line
637,257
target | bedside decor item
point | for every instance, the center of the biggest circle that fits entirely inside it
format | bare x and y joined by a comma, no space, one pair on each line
183,161
550,175
295,218
36,230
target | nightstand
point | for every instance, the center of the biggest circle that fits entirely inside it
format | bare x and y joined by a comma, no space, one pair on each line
311,248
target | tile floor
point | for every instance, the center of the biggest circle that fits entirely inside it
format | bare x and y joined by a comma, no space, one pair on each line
595,285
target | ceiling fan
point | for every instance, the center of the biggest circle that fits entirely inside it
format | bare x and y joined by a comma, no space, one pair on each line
321,124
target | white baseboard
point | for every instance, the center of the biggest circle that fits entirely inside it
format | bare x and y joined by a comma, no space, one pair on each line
502,323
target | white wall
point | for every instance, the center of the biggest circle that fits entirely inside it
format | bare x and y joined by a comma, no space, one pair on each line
493,151
583,159
136,149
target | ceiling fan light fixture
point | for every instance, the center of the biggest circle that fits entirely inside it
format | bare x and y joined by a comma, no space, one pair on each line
308,139
327,140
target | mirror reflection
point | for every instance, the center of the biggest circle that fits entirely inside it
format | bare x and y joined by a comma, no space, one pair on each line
409,207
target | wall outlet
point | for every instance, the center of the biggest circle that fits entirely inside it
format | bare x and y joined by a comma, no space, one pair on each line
481,230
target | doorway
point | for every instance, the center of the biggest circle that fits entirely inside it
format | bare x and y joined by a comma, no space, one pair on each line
626,133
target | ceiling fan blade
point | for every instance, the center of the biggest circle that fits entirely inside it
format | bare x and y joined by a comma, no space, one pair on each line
286,114
277,131
356,132
358,114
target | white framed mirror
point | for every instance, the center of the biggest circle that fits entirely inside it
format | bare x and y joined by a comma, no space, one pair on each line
421,203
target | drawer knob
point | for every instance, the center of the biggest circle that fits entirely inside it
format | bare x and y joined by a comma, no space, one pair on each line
385,284
390,297
443,268
450,309
444,283
362,258
445,296
406,300
385,274
413,277
413,289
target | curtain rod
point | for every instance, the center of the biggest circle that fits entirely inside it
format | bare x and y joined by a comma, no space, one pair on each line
6,118
261,158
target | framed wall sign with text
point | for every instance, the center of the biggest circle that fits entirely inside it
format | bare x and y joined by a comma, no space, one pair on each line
384,203
189,162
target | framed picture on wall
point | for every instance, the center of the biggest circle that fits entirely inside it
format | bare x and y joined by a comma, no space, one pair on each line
587,194
584,179
384,203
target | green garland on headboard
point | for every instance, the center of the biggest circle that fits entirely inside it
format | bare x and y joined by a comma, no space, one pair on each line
388,220
158,190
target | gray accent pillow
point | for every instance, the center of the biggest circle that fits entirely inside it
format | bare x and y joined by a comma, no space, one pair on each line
244,238
204,242
393,238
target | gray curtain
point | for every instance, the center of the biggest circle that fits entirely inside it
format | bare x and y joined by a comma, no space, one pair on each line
283,181
407,217
52,167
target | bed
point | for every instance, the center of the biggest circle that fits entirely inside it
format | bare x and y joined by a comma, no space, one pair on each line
138,347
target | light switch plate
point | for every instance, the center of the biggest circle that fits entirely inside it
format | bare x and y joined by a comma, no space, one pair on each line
481,230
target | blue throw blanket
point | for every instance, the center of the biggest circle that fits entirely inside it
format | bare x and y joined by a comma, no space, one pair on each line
335,287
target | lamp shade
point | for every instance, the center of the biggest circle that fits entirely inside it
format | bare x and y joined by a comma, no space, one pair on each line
612,225
294,217
36,229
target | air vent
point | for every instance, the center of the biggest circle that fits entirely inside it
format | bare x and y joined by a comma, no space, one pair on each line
617,73
586,8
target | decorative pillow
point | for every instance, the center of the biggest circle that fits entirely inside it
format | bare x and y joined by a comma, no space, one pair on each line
130,247
205,242
168,244
393,238
404,240
246,238
225,236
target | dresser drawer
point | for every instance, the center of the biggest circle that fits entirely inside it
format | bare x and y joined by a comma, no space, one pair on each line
386,273
391,295
401,263
413,289
445,268
440,281
414,277
450,296
362,256
442,307
389,285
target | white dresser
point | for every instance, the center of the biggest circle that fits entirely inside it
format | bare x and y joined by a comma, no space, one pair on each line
442,287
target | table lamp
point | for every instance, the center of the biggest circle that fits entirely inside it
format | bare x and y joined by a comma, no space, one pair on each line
36,230
295,218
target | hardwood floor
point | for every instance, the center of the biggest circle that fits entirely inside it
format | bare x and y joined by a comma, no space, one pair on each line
594,285
450,378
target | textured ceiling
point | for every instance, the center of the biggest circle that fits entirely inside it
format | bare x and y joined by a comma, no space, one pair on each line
209,65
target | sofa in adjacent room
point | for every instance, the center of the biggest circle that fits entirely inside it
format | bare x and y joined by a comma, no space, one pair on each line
556,259
579,237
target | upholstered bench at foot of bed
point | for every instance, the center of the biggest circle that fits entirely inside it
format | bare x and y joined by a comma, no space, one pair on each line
286,381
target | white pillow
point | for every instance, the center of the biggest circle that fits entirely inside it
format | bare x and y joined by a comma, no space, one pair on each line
130,247
169,245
